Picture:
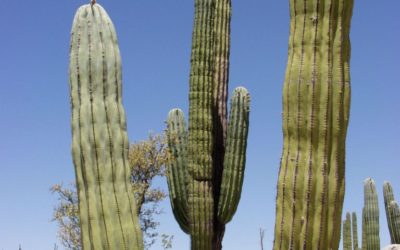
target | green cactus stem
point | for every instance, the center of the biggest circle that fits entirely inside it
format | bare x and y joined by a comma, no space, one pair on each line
371,216
392,213
354,231
316,103
107,209
205,176
347,245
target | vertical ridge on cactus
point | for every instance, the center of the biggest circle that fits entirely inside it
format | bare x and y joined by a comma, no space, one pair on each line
392,213
316,102
371,216
107,209
209,156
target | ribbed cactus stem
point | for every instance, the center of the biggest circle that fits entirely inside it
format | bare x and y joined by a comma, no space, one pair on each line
354,230
347,233
371,215
391,212
213,156
235,155
107,208
394,213
177,173
316,102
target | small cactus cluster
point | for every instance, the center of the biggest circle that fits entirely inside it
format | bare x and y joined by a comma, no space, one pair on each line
370,219
107,211
350,232
316,103
205,175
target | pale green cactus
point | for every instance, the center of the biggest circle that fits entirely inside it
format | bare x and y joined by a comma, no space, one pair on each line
316,104
371,216
107,210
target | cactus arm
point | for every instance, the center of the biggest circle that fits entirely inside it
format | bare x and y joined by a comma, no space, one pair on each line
235,155
177,168
347,233
354,230
371,213
315,118
99,144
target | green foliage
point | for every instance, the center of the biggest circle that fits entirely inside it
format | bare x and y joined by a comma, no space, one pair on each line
206,170
316,103
147,161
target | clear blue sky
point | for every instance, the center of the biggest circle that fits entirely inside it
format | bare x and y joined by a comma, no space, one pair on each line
155,40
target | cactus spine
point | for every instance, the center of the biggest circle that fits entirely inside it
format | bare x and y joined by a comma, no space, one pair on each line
316,101
392,213
107,209
347,245
371,216
206,174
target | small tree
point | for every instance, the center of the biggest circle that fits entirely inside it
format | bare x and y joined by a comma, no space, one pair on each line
147,160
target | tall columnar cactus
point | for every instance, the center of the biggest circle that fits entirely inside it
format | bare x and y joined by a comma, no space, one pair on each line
347,245
316,102
107,209
354,231
206,174
392,213
371,216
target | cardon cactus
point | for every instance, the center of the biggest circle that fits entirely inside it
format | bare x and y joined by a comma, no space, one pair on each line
350,232
205,175
371,216
392,213
354,231
107,209
316,102
347,245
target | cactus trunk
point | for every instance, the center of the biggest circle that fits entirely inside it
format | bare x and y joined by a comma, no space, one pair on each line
316,102
392,213
354,231
107,208
371,216
347,245
205,175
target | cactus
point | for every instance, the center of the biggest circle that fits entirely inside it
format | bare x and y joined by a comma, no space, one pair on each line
392,213
371,216
205,175
347,245
316,102
107,209
354,231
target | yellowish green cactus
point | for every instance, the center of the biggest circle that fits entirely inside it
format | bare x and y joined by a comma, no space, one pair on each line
347,245
205,175
107,210
316,102
371,216
392,213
